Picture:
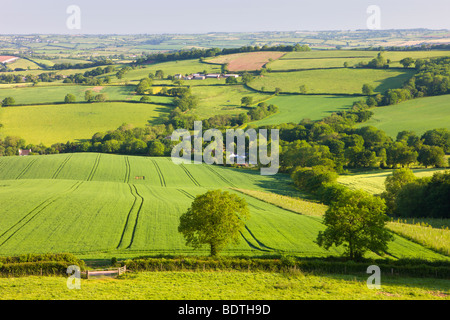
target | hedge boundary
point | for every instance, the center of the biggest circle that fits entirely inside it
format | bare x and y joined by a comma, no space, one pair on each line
412,268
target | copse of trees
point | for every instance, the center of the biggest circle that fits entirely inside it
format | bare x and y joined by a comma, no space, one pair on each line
67,65
377,63
122,72
8,101
432,78
407,62
144,86
186,101
313,178
411,197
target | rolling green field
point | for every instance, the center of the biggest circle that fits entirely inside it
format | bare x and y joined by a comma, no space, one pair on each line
48,124
308,63
223,99
92,205
51,94
294,108
333,81
418,115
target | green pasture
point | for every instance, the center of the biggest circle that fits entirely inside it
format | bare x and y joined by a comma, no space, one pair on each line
418,115
223,99
51,94
294,108
49,124
226,285
333,81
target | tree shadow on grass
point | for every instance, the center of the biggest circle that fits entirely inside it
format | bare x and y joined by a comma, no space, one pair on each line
393,82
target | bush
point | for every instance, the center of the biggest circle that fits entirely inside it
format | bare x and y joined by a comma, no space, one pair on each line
8,101
330,192
311,179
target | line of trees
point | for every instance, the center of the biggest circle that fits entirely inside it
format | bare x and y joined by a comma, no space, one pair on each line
67,65
206,53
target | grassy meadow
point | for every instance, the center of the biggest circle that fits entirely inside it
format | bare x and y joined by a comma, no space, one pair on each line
294,108
418,115
48,124
57,93
333,81
225,285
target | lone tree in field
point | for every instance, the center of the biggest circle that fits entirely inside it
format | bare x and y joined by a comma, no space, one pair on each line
89,95
303,89
215,218
367,89
70,98
357,221
247,101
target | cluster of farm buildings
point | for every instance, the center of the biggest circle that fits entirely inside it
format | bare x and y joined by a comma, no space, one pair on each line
199,76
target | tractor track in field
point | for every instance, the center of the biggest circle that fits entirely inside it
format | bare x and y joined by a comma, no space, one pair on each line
256,207
220,176
94,168
190,175
127,170
2,164
257,241
251,245
61,166
131,212
187,194
36,211
137,216
160,174
27,167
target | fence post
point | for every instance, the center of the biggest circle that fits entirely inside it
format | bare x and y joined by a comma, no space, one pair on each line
87,274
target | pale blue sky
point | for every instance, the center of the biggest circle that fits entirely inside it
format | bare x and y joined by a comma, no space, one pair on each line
203,16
